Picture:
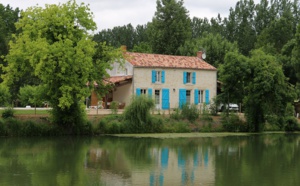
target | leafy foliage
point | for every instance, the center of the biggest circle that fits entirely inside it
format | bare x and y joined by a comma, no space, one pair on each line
232,123
8,17
170,27
215,45
190,112
54,46
137,114
114,105
291,124
31,95
4,95
8,113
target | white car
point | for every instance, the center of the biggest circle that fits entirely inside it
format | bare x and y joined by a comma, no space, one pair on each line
232,107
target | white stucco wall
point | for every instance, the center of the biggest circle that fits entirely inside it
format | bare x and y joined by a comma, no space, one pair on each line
205,80
119,70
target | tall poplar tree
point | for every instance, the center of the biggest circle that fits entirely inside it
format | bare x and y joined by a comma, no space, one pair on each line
170,27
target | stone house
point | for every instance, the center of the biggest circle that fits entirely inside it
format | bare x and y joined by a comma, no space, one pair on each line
170,80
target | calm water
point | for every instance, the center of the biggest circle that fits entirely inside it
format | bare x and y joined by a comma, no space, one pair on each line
264,160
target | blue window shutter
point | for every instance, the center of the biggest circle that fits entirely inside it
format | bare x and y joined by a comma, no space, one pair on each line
165,99
150,93
182,97
184,77
153,76
194,77
163,76
138,91
207,96
196,96
164,157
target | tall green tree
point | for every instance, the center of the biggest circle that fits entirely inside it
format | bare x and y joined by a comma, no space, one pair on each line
215,46
118,36
54,45
8,18
239,26
233,74
170,27
200,26
268,92
295,59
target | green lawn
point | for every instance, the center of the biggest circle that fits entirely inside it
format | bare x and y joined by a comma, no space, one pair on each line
28,112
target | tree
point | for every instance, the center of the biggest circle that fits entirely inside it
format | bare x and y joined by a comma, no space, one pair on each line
170,27
273,34
4,95
53,44
199,27
295,59
8,17
31,95
233,74
215,46
267,91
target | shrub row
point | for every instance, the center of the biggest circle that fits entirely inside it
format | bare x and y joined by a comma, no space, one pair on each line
116,124
14,127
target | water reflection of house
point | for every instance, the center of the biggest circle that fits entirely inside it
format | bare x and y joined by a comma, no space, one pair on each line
169,167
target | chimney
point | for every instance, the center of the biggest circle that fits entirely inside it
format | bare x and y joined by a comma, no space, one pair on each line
199,54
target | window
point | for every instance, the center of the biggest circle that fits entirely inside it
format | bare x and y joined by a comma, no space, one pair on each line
189,77
200,97
143,91
157,97
158,76
188,97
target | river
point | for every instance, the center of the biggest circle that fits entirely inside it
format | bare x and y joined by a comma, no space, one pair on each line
247,160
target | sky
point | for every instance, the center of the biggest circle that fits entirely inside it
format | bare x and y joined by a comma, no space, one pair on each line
111,13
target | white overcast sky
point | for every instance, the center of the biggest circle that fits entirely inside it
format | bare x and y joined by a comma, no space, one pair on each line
111,13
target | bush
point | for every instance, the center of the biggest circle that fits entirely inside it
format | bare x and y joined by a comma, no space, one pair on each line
176,127
156,125
112,124
176,115
114,105
3,128
13,127
232,123
8,113
205,115
275,120
190,112
291,124
213,107
137,115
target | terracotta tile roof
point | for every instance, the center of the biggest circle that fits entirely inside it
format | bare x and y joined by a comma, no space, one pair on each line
117,79
167,61
112,79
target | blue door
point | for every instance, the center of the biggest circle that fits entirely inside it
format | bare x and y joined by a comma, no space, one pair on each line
165,99
182,97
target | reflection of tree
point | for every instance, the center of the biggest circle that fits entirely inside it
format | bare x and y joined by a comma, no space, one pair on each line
118,155
263,160
42,162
